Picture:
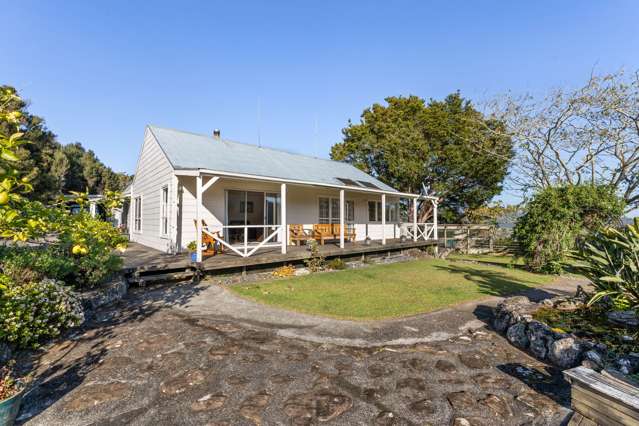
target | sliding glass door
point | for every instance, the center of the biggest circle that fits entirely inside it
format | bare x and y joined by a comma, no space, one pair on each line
252,209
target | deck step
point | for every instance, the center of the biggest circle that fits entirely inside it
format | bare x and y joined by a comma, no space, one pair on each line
143,280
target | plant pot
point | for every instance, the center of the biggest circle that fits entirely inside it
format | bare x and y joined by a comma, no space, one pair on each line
193,257
9,408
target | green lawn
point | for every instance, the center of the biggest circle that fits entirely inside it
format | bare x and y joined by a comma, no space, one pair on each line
393,290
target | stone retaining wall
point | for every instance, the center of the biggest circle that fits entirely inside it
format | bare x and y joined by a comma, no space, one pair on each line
514,317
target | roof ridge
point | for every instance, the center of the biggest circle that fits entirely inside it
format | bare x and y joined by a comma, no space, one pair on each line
247,144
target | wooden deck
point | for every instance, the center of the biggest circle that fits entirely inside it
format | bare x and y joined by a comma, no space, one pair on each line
141,259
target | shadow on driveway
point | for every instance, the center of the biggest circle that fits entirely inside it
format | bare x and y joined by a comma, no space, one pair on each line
63,371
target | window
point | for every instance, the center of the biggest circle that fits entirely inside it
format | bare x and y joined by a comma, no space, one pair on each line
137,214
372,211
324,210
164,211
350,211
329,210
375,212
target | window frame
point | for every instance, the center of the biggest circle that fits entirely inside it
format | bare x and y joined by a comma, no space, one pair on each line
392,211
137,214
164,211
334,201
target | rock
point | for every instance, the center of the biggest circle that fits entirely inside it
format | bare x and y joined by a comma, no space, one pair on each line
474,360
323,406
461,401
411,383
445,366
497,405
182,382
423,406
492,380
106,293
540,337
569,305
209,402
511,310
90,396
460,421
628,364
6,353
586,363
516,335
595,358
565,353
624,318
253,406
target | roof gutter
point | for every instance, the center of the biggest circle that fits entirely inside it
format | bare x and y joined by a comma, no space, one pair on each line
197,172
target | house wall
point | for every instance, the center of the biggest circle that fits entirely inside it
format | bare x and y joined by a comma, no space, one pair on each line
302,206
153,172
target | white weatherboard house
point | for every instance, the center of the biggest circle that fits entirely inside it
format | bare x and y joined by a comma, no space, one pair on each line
252,195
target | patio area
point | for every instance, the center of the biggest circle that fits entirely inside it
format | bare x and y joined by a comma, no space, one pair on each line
142,259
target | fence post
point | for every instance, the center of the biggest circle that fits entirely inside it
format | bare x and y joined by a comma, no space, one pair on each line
467,239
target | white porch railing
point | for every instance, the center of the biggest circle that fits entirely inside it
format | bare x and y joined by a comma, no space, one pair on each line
247,248
424,231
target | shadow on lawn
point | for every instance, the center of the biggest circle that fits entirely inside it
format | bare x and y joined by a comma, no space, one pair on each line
58,370
493,283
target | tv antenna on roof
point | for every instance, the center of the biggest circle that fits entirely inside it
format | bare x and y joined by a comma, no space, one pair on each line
259,122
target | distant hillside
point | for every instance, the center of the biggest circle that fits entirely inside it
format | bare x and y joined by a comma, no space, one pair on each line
54,168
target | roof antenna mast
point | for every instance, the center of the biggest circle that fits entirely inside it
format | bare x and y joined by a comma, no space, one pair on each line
259,122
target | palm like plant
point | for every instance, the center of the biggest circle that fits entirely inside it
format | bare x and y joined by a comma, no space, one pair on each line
610,259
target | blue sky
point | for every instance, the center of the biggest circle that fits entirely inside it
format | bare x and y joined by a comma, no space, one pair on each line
99,71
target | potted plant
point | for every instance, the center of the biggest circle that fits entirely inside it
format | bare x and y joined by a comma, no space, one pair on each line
192,248
11,393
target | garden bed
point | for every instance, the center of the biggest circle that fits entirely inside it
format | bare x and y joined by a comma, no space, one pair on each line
563,332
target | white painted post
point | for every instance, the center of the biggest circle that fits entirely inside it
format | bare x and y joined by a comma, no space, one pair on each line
435,227
284,232
198,215
131,214
341,218
383,219
415,219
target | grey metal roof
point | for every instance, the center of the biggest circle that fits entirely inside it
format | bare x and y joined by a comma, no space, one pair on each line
191,151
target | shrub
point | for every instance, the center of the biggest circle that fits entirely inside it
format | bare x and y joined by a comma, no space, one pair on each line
315,262
82,256
90,243
284,271
556,217
609,258
26,264
336,264
31,312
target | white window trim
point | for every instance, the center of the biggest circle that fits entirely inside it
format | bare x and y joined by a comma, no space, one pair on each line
330,209
135,198
378,218
164,211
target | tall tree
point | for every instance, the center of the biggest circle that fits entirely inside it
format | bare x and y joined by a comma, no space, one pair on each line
570,137
53,168
446,146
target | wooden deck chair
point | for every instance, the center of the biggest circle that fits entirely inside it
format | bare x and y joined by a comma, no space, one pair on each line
297,234
213,247
322,232
349,233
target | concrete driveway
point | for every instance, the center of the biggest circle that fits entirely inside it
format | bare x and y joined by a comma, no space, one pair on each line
196,354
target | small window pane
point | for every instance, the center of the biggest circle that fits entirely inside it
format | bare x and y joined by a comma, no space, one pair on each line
379,211
324,210
350,211
371,212
335,210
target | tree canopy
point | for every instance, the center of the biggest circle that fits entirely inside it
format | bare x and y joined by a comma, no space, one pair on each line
446,146
573,136
53,168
